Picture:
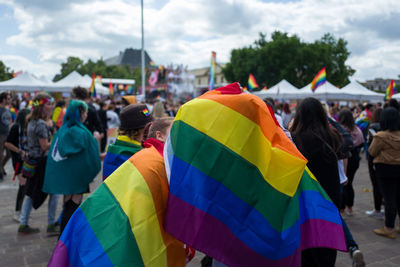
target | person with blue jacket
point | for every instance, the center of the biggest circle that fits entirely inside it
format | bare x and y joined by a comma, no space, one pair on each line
73,161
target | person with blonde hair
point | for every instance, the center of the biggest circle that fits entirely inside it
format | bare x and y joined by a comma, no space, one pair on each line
159,110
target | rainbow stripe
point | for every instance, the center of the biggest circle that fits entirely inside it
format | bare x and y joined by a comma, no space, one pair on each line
319,79
364,120
13,113
252,82
92,86
111,88
121,223
239,189
213,68
390,90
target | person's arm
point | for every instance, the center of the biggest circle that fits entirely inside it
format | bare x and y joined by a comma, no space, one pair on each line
11,147
44,144
376,146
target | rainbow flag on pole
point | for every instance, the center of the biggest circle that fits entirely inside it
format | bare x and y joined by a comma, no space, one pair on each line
252,82
111,88
319,79
121,223
213,67
390,90
240,190
93,86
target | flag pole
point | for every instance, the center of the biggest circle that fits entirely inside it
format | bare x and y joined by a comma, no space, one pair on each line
143,66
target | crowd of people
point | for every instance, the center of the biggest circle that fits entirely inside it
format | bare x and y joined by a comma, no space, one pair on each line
57,149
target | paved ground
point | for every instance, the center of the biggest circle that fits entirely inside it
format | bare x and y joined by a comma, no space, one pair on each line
35,250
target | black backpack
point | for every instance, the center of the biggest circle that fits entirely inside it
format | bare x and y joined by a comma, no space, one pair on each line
348,144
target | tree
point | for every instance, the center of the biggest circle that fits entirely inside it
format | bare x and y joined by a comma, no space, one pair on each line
99,68
287,57
5,72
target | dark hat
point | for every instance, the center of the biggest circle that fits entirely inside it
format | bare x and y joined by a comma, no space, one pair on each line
134,116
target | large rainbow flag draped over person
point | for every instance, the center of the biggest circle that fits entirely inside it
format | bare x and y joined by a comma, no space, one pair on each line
319,79
121,223
239,189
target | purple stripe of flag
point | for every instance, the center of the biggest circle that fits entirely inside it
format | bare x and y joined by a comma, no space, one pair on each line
60,256
321,233
209,235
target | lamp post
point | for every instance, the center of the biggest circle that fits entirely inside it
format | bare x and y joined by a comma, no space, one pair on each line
143,63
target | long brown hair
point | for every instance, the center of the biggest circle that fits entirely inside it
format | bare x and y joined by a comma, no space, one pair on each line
311,118
38,104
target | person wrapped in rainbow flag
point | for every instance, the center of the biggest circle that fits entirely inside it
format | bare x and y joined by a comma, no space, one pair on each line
233,186
240,190
121,223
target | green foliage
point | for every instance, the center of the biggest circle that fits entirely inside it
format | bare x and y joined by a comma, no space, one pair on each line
5,72
287,57
99,68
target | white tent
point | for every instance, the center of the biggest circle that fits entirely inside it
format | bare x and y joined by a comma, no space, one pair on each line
100,89
324,92
74,79
24,82
283,89
361,93
396,96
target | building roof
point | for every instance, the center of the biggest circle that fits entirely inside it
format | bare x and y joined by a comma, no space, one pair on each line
131,57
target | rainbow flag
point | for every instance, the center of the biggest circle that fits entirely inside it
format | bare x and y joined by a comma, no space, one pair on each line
213,68
364,119
390,90
121,223
92,86
240,190
252,82
14,112
152,64
319,79
111,88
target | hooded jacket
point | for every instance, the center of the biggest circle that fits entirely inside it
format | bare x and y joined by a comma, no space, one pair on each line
385,148
73,161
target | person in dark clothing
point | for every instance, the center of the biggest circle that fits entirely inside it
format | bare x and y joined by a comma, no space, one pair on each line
385,148
103,118
17,143
93,122
373,129
320,144
353,161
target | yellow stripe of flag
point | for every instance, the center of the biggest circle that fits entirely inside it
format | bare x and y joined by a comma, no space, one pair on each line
245,138
136,200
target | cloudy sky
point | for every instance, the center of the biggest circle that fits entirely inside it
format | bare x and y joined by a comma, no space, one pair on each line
37,35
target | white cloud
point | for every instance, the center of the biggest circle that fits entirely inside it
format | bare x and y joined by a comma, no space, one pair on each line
187,31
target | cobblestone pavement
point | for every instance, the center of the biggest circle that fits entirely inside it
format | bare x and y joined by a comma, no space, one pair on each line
36,249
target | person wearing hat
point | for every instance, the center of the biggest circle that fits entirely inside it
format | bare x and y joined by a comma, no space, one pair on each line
134,119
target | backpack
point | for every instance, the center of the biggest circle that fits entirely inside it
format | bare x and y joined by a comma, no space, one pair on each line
348,144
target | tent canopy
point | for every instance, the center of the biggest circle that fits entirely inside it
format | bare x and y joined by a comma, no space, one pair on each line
361,93
283,89
24,82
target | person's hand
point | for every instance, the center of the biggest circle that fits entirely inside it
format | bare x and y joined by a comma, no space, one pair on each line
21,180
96,134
